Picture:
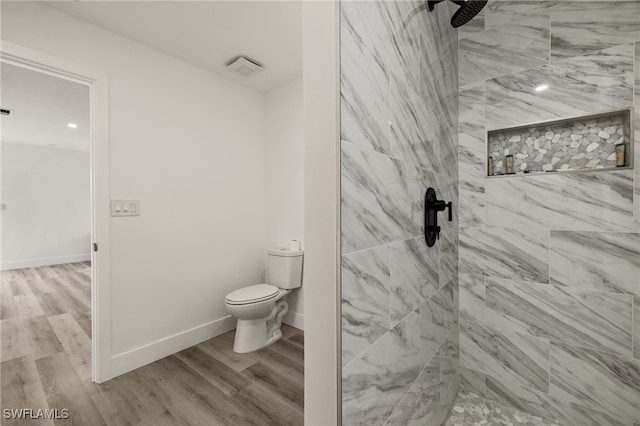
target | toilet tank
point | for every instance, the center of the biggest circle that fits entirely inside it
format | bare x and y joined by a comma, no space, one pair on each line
284,268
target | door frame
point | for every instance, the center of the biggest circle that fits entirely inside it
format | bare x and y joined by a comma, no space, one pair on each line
99,169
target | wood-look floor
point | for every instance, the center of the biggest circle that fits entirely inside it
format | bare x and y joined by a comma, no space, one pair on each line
45,363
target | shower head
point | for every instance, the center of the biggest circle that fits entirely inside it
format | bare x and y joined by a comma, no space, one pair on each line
467,10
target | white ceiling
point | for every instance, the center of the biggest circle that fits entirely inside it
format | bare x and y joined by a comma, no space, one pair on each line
208,34
43,105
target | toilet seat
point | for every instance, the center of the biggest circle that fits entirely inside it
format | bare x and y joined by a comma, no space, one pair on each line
252,294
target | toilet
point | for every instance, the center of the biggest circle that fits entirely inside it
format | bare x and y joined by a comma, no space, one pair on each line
259,308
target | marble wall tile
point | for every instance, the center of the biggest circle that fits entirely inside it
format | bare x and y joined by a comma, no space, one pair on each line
473,27
437,316
637,138
415,132
449,359
364,90
471,99
548,407
581,201
589,319
375,382
582,27
504,355
471,134
472,203
365,300
381,199
414,275
587,84
471,297
602,261
420,403
501,50
447,401
599,380
502,12
506,253
471,381
636,327
439,68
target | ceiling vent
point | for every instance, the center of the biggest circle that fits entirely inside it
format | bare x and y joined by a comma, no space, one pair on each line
244,67
6,112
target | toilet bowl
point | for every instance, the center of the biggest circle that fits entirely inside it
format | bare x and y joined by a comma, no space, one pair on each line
259,308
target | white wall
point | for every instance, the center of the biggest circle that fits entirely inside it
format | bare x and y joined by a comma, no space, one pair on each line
321,218
189,145
284,177
48,216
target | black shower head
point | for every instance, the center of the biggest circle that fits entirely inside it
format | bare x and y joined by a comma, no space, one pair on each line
468,9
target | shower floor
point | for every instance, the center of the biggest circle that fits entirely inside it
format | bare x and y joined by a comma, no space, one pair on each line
470,409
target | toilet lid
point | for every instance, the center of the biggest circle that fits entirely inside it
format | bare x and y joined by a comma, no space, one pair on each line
252,294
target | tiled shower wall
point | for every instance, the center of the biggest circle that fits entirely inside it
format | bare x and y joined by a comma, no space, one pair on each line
550,265
399,298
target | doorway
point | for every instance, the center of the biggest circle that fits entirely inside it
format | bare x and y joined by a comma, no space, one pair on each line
54,213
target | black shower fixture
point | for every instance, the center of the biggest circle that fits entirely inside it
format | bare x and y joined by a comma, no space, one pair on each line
468,9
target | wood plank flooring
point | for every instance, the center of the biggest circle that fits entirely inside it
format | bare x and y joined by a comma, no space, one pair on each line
45,363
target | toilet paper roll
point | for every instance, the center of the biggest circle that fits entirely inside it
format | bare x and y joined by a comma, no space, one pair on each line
294,245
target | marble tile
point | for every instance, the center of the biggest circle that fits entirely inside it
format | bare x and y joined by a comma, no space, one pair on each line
365,300
601,381
507,356
472,158
471,297
473,27
437,317
581,201
471,381
419,405
636,327
364,95
414,275
415,132
547,406
439,68
587,84
637,138
471,100
601,261
448,356
375,382
503,12
447,401
589,319
382,199
583,27
472,203
448,254
507,253
504,49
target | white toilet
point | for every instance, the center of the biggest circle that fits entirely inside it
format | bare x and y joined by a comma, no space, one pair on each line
259,308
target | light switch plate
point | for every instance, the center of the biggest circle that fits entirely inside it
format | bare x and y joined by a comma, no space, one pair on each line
125,207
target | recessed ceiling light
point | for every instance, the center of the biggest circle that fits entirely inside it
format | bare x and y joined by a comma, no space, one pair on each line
72,125
542,88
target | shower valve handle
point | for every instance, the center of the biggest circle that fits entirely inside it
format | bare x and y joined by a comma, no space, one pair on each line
431,209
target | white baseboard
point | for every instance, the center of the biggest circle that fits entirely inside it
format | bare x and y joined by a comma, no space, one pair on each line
44,261
138,357
294,319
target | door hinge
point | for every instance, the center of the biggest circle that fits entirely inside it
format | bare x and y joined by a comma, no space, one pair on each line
95,246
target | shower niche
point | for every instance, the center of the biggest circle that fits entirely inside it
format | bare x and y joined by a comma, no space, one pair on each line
596,142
